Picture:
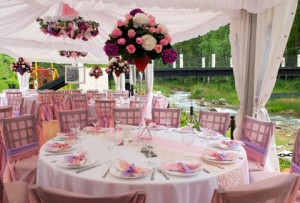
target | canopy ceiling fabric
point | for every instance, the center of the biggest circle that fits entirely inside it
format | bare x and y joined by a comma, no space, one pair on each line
20,34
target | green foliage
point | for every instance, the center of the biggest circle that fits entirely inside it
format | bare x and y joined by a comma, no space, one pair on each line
284,163
3,85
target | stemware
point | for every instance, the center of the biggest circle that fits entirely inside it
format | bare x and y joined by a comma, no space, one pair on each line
109,141
167,121
188,139
95,121
117,119
150,145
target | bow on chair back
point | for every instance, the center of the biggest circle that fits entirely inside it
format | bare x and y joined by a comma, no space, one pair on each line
104,109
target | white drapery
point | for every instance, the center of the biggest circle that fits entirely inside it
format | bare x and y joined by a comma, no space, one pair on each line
23,81
272,31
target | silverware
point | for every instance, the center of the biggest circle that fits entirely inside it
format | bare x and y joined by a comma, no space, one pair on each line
87,168
53,161
153,173
106,172
163,173
55,154
205,170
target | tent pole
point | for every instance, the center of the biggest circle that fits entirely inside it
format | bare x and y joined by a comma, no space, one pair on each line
250,70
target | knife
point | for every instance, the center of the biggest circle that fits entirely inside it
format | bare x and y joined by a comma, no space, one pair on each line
87,168
54,154
153,173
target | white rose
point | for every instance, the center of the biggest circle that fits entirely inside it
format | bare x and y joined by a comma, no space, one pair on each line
149,42
164,29
140,20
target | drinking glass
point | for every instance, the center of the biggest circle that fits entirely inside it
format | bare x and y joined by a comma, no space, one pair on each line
117,119
95,121
109,141
188,139
150,145
167,121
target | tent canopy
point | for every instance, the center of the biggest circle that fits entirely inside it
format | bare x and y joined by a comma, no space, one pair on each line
20,34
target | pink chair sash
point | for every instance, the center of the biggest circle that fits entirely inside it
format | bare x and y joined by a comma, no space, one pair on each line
255,152
23,151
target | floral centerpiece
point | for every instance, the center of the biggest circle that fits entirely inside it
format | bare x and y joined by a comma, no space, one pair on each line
96,72
69,26
140,38
73,54
21,66
118,66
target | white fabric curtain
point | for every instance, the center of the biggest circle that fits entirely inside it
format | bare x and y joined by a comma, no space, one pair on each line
272,31
119,81
23,81
149,74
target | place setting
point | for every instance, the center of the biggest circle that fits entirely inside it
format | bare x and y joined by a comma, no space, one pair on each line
213,157
57,147
183,168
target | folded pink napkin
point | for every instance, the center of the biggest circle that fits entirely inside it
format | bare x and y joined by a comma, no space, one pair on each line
130,170
58,146
231,143
221,156
187,168
75,160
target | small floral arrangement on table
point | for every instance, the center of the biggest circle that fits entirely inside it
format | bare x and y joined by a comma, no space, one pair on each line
21,66
69,26
139,36
73,54
118,66
96,72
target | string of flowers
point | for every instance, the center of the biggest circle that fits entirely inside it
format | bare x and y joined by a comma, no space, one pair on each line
96,72
69,26
118,66
21,66
73,54
138,36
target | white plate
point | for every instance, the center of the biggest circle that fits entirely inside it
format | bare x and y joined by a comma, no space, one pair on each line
178,173
159,128
180,130
48,149
219,145
89,161
116,172
64,136
214,160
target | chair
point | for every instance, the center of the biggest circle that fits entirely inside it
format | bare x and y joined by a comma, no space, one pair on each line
58,99
104,109
280,189
90,93
16,94
21,143
45,98
30,107
68,118
217,121
139,104
75,92
80,96
159,102
78,103
99,95
5,111
295,162
129,116
159,116
256,134
40,194
14,192
17,104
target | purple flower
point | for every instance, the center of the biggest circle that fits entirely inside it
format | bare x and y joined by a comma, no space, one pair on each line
81,26
135,11
169,56
111,49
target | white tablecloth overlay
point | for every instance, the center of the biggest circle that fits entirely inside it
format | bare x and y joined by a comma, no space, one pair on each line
194,189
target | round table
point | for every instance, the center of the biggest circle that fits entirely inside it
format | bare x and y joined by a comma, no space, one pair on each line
178,189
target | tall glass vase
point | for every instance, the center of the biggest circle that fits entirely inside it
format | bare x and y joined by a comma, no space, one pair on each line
141,64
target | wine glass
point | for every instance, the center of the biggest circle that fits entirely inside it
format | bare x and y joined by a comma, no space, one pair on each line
150,145
167,121
109,141
117,119
191,121
188,139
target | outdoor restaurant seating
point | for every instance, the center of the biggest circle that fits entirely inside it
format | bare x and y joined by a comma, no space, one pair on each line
17,105
166,116
104,109
128,116
280,189
13,94
216,121
14,192
69,119
21,143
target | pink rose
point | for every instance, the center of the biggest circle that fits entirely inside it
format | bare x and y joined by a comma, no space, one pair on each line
158,30
139,40
130,48
151,29
163,42
122,41
89,29
151,20
116,33
158,48
131,33
168,38
127,18
120,23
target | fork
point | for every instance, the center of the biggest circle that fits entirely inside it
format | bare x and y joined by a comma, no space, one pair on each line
163,173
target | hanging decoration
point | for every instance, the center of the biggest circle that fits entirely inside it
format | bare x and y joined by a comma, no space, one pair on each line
21,66
96,72
118,66
139,38
73,54
69,24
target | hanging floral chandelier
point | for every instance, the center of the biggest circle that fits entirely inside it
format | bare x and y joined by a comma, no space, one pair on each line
21,66
96,72
73,54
